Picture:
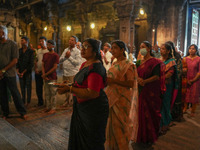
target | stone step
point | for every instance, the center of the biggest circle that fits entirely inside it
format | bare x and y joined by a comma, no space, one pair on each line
13,139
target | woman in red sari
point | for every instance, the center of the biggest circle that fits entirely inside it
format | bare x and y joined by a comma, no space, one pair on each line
151,85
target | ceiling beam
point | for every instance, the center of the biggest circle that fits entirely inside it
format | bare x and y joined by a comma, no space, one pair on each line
28,4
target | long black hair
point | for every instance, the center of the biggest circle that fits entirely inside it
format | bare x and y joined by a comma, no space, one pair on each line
96,46
169,48
196,48
148,44
175,53
121,45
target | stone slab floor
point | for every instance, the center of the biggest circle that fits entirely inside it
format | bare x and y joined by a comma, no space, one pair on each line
50,132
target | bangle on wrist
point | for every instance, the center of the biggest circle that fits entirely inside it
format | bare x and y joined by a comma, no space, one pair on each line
70,89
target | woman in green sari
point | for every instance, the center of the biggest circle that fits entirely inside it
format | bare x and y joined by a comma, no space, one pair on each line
176,107
171,86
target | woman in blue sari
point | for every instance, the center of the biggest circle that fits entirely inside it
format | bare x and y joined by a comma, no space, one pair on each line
171,86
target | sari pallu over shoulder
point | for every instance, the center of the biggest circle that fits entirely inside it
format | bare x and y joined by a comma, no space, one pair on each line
150,100
89,118
122,68
172,63
83,72
145,70
123,107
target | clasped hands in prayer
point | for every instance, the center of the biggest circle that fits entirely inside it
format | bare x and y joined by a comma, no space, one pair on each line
141,81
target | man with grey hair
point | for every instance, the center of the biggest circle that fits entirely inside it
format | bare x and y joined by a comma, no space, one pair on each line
8,59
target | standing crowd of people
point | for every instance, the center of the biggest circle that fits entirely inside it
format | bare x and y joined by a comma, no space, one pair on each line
115,99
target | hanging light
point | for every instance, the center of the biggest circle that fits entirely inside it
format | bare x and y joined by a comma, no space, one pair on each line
92,25
153,30
45,28
141,11
69,28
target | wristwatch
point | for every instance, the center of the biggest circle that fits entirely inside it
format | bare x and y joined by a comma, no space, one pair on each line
3,71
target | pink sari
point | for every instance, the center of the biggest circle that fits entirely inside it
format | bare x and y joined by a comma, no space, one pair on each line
192,93
122,122
150,101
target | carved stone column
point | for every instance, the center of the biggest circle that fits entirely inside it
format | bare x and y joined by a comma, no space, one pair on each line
125,11
132,32
150,27
17,36
82,16
28,30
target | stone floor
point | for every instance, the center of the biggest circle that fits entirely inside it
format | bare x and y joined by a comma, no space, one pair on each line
183,136
44,131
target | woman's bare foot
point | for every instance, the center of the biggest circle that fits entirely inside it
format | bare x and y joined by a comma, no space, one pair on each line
25,117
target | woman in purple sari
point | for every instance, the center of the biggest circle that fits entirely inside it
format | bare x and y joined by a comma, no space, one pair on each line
151,86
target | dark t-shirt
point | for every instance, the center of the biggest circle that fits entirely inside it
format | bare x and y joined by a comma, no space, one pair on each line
49,59
25,61
8,52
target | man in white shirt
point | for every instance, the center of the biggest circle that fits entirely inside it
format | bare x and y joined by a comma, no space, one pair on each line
78,45
71,59
38,69
107,56
131,55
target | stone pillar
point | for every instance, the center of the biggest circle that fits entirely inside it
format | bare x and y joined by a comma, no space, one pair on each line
81,13
28,29
39,33
58,37
83,30
125,12
53,19
149,30
17,37
132,32
155,34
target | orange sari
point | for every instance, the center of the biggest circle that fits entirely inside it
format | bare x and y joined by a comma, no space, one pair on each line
122,123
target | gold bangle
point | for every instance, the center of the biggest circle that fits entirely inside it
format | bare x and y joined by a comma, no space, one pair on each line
70,88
